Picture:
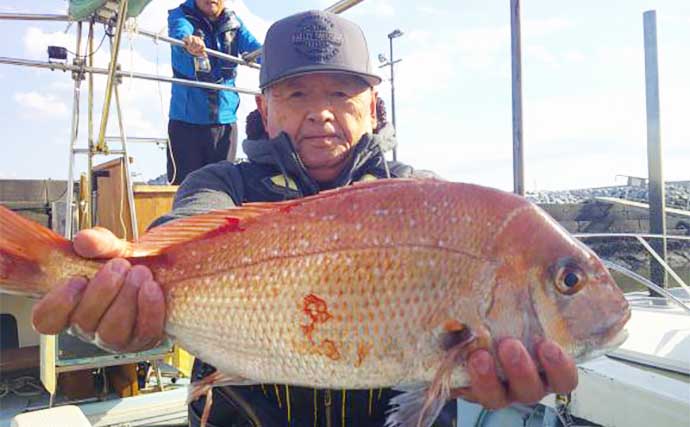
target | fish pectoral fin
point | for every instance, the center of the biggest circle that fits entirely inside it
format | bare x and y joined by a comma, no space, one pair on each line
420,405
200,388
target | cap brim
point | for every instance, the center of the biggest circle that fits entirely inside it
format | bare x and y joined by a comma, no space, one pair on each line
371,79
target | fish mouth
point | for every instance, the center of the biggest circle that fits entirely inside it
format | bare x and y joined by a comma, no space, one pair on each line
593,351
616,334
617,340
609,339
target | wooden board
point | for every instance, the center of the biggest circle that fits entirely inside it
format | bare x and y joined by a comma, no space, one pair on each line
150,201
21,358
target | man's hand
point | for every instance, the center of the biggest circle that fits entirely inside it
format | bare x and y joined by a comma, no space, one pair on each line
121,308
523,383
195,45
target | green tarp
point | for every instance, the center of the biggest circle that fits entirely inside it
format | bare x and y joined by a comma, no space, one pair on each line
82,9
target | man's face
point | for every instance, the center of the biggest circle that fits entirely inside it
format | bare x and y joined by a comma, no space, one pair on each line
324,114
211,8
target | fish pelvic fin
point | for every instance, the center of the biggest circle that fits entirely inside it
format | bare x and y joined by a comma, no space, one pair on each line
202,387
27,252
420,405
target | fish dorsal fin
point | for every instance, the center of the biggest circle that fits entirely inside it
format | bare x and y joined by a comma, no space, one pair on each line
202,226
235,219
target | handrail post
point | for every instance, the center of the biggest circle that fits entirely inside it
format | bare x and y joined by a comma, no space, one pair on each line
657,217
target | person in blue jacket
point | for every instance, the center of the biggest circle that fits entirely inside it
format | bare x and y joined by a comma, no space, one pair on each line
202,126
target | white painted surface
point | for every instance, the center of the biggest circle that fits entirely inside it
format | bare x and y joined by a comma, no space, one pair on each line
618,394
658,337
61,416
165,407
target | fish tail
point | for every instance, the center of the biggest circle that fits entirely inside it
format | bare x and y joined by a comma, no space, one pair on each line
27,252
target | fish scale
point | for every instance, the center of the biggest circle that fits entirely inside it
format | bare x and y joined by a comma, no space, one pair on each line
388,283
355,304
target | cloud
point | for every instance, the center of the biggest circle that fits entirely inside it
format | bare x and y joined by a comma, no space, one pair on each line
50,9
574,56
5,174
428,9
440,62
420,36
380,8
257,25
36,42
155,17
542,54
536,28
487,39
43,105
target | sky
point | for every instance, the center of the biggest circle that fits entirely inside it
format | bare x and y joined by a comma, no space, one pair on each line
583,88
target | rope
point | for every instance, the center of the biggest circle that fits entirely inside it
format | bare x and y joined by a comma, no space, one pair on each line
25,386
123,183
162,109
132,28
316,409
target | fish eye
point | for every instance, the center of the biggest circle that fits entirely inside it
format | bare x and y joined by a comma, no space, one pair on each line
570,279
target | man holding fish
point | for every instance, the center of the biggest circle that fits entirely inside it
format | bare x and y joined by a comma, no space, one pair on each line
318,106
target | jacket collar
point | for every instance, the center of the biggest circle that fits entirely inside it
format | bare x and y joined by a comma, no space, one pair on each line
280,154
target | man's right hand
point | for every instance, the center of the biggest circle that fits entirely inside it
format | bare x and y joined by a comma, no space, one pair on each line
195,45
121,308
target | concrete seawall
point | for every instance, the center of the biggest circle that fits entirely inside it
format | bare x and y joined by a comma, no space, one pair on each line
605,214
611,215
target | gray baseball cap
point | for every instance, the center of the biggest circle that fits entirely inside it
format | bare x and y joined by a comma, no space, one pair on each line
313,42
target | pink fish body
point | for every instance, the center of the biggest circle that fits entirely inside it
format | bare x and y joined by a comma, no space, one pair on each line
384,284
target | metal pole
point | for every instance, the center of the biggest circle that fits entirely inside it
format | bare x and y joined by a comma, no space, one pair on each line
210,52
338,7
139,139
112,67
342,6
73,140
89,167
129,187
150,34
657,208
516,55
67,67
33,17
395,127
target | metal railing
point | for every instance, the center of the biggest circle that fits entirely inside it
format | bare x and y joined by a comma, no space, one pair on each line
640,237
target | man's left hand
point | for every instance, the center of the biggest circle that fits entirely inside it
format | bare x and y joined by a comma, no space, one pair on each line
522,383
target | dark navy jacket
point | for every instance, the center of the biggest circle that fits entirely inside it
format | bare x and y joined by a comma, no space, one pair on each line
206,106
274,172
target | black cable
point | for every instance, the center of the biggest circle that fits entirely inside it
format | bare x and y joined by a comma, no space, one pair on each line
94,52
